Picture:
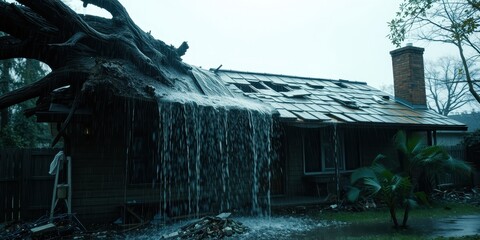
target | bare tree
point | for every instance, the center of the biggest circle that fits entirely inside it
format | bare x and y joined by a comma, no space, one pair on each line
447,86
455,22
388,88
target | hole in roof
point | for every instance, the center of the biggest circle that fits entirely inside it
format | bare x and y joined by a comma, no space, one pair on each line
381,100
346,102
386,97
276,87
245,88
296,94
342,85
294,86
258,85
315,85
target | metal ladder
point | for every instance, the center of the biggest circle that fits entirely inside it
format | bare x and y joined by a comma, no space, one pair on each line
62,191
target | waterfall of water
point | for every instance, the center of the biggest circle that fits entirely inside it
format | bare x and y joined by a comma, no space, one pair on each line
215,156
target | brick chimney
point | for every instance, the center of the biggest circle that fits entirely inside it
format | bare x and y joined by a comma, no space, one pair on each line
408,76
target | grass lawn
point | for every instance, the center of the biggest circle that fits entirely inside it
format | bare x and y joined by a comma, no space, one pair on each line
382,215
376,216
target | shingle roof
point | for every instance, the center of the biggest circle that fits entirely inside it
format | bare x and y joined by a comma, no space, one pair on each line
469,119
315,100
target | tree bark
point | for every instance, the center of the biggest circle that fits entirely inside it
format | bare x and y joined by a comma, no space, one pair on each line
467,72
405,215
5,82
393,215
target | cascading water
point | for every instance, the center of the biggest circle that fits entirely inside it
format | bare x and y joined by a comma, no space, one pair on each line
214,152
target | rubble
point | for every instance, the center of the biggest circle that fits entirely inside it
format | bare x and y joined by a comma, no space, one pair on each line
471,196
209,227
60,226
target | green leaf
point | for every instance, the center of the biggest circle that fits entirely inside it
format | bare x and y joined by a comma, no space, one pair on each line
353,194
373,185
361,173
400,140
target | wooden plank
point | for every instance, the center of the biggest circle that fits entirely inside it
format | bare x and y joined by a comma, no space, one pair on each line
9,187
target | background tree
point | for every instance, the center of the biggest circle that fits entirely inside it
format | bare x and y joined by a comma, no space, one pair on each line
18,127
6,81
447,86
453,22
388,88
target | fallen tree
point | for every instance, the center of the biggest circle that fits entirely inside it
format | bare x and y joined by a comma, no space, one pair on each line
93,56
84,50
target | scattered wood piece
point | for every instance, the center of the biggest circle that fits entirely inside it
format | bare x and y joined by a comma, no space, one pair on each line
42,229
209,227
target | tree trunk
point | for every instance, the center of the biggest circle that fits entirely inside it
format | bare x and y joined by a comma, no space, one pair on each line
467,72
405,215
5,82
393,215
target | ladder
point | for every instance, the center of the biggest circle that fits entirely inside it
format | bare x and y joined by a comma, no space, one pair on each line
62,191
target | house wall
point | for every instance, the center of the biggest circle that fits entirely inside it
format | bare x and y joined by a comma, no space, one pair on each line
374,141
200,159
294,162
451,138
363,145
99,164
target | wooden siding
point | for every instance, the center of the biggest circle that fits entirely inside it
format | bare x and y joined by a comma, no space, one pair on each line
99,161
25,185
294,154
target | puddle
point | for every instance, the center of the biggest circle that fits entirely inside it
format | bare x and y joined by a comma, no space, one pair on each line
454,227
444,227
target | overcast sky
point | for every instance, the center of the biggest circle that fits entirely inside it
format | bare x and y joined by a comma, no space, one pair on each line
341,39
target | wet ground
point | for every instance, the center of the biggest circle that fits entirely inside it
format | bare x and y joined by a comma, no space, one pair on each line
306,228
429,228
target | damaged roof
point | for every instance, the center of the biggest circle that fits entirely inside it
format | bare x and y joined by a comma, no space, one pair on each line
316,100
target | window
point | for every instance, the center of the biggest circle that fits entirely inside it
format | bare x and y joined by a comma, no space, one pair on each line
352,149
319,150
312,152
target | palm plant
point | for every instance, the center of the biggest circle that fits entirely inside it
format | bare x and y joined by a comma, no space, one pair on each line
425,163
396,187
392,189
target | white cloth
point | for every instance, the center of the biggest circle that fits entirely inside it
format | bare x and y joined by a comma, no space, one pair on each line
54,164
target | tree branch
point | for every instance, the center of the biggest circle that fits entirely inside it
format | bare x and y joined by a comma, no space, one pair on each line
58,78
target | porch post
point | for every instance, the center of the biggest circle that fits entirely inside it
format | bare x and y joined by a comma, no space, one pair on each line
335,155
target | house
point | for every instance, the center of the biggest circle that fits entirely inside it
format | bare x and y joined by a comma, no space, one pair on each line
453,138
223,140
331,127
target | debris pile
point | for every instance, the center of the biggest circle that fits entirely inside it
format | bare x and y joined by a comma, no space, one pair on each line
60,226
471,196
209,227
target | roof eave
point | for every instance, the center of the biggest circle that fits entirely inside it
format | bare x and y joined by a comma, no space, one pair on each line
431,127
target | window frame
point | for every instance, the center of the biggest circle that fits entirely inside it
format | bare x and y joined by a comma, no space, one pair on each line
323,134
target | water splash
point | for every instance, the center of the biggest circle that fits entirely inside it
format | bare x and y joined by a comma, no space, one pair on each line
279,227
